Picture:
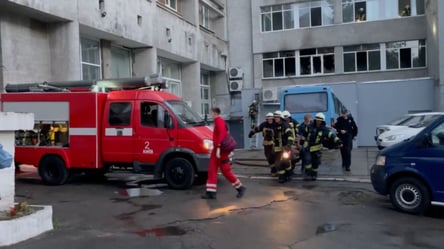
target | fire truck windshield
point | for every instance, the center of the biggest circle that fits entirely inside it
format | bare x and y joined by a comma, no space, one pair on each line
185,115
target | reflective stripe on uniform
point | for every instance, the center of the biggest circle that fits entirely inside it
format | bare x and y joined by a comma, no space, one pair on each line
315,147
268,142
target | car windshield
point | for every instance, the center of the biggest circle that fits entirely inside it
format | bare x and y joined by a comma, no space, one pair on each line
401,121
185,115
424,121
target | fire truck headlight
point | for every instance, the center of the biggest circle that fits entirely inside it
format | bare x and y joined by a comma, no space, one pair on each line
208,144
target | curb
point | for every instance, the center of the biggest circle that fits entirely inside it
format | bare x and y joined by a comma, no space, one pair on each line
333,179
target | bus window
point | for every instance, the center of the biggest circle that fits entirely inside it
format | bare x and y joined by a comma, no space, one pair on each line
338,105
306,102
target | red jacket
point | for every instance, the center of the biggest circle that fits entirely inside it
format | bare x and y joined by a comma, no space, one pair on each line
220,130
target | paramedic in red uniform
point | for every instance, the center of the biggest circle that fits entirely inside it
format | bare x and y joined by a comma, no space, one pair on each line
220,159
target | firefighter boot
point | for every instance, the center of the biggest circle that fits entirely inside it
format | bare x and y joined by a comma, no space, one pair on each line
241,191
282,178
308,175
314,176
209,195
289,175
273,171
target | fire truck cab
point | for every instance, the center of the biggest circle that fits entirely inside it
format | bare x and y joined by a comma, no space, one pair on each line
96,126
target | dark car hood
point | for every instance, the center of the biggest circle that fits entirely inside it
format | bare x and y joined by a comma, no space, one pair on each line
399,149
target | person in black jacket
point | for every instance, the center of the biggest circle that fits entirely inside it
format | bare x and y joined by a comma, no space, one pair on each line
347,132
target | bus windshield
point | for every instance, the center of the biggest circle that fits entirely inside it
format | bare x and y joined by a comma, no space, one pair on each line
185,115
306,102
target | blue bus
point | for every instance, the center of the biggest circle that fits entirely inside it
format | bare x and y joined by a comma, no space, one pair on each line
299,100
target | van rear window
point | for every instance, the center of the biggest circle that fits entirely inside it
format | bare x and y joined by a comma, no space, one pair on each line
306,102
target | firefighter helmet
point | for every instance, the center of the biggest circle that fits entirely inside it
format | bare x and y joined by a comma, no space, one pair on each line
320,116
286,114
277,114
269,115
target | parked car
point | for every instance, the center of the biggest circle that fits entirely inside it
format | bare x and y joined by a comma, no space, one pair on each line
411,171
403,128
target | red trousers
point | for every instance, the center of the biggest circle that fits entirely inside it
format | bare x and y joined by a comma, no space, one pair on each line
225,167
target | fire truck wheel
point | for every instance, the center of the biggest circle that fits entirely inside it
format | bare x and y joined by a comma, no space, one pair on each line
52,170
179,173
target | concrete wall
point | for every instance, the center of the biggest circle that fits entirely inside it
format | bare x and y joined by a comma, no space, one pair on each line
64,51
120,19
25,50
380,102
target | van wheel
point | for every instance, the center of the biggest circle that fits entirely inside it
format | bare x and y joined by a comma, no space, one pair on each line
52,170
179,173
410,195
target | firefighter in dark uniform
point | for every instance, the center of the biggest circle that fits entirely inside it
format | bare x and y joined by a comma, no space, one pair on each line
294,147
266,128
283,139
302,133
317,133
347,132
252,112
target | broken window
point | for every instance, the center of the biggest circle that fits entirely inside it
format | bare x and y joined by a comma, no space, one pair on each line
279,64
406,54
364,57
316,61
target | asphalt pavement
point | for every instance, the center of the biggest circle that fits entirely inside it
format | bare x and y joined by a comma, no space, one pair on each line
251,163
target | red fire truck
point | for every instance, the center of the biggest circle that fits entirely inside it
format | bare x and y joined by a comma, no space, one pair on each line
93,126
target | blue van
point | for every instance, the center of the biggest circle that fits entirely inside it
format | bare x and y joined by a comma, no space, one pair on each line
412,172
299,100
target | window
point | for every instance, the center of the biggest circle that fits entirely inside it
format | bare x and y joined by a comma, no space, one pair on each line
354,11
205,94
339,107
437,135
371,10
279,64
410,7
146,111
277,17
120,63
184,114
311,61
119,114
306,102
316,61
204,15
91,68
297,15
365,57
171,71
152,115
406,54
171,4
317,13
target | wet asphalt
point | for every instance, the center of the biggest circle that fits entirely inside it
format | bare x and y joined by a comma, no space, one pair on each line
329,213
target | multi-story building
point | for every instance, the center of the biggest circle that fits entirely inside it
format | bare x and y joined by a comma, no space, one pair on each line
61,40
382,57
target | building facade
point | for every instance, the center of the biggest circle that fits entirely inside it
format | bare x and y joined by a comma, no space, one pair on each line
185,42
381,57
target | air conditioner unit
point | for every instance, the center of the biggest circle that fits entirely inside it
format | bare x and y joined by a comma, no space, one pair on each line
235,73
236,85
270,94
